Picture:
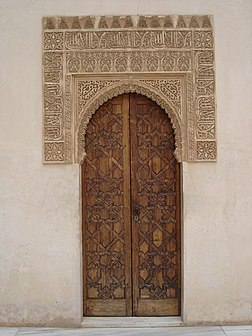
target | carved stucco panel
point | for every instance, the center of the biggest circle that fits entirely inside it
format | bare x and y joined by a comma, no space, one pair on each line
88,60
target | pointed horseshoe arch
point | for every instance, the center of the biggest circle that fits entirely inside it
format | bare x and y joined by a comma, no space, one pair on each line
131,211
116,90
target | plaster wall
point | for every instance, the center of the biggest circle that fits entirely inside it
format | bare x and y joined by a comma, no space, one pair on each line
40,240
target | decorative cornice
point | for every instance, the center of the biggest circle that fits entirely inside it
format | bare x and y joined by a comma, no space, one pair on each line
127,22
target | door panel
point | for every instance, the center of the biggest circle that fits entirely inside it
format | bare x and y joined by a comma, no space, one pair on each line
154,172
106,211
131,238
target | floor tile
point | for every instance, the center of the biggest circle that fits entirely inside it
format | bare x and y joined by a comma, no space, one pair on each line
131,322
245,330
173,331
239,327
238,332
8,331
39,331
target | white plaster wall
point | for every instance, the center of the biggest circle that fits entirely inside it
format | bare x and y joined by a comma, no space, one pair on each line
40,263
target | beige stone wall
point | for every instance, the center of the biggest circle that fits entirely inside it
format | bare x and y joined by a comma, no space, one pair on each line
40,240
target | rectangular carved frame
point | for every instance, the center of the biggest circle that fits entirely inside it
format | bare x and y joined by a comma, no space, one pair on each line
89,59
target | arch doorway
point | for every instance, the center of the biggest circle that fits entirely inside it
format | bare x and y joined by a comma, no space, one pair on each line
131,211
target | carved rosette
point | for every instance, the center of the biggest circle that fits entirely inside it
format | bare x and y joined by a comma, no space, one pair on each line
90,59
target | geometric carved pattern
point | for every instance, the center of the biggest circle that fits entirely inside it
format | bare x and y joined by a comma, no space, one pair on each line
206,150
168,46
131,263
166,88
171,89
123,61
105,212
104,216
156,175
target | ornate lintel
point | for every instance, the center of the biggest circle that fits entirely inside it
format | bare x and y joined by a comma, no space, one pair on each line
90,59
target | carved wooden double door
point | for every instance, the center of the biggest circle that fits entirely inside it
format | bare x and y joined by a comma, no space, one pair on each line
131,211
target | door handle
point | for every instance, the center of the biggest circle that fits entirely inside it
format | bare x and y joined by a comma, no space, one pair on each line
136,213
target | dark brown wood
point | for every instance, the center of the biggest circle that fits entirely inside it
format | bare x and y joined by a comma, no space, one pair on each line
106,216
155,251
131,211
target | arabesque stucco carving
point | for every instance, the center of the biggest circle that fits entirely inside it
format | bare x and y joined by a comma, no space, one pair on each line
88,60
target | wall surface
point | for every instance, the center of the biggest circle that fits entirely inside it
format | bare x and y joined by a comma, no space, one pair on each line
40,240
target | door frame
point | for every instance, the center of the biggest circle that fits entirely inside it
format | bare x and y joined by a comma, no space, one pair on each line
135,321
177,47
62,66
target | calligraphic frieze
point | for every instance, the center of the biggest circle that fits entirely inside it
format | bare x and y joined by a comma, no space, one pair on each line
90,59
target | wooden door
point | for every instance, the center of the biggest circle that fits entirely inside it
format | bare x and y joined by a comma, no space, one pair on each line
131,211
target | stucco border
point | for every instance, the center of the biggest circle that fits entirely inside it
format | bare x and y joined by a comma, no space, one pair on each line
168,47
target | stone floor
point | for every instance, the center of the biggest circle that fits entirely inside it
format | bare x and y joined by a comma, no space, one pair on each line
167,331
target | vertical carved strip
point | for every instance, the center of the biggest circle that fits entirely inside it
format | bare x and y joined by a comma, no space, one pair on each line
53,107
68,119
205,100
190,119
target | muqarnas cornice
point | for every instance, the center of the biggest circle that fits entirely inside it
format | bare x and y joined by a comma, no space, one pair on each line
90,59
